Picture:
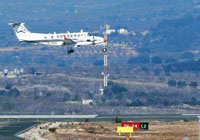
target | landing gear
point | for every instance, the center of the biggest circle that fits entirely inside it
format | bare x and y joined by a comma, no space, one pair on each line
70,51
104,50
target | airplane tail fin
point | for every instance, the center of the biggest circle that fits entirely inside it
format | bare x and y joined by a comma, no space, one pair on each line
19,30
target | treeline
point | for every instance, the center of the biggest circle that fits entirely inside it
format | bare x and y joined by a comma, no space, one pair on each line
156,59
118,95
10,91
182,84
187,63
144,59
190,65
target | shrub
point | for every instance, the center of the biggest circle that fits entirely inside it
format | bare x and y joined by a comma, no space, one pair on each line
2,92
52,130
181,84
172,83
194,84
14,92
86,120
8,86
117,120
90,130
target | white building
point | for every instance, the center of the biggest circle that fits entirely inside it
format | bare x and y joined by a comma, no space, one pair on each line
86,102
123,31
133,33
145,32
21,71
110,31
5,72
101,91
72,102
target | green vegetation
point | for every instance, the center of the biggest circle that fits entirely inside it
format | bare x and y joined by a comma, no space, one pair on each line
117,120
14,92
8,86
86,120
53,130
181,84
172,83
193,84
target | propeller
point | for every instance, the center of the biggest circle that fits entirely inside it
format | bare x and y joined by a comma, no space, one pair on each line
104,32
93,42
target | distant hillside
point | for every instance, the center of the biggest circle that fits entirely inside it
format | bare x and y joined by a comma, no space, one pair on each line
73,15
175,35
153,67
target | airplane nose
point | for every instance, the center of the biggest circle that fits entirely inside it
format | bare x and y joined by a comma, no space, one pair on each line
100,40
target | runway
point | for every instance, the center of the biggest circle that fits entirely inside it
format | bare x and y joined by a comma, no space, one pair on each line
47,116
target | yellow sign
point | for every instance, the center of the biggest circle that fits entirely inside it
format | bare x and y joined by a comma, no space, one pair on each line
124,130
127,138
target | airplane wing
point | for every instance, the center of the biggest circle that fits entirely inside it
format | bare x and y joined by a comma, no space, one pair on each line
68,41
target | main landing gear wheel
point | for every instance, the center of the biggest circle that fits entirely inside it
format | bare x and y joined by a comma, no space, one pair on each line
104,50
70,51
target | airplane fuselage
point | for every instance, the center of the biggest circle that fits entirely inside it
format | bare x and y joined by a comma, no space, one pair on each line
82,38
67,39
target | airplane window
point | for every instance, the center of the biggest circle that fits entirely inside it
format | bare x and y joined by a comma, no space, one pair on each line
78,35
51,36
67,35
75,35
57,36
45,37
60,36
81,34
71,35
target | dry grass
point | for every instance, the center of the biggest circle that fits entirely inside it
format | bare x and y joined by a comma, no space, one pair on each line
107,131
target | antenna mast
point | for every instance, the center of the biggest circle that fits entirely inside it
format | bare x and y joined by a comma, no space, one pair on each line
105,73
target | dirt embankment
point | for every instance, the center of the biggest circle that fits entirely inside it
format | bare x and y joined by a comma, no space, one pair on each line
108,131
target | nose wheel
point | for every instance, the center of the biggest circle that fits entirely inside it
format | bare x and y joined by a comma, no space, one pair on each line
70,51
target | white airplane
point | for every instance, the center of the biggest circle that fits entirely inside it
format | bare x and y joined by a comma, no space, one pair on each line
68,39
